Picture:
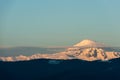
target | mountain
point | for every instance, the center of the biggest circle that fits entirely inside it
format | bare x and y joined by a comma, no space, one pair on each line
27,51
89,43
91,50
80,62
91,54
85,50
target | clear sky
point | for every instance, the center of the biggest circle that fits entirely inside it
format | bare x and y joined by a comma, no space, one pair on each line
58,22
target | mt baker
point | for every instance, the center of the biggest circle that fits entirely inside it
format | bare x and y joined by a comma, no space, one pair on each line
85,50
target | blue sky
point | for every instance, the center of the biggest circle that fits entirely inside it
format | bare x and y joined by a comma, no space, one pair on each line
58,22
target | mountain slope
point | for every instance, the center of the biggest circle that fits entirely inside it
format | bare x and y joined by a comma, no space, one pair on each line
86,50
91,54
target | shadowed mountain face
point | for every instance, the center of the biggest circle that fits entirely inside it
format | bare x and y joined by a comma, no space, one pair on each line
46,69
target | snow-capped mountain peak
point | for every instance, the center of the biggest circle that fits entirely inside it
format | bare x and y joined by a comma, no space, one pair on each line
89,43
86,50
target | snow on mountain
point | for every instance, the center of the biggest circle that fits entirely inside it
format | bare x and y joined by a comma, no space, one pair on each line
91,54
89,43
86,50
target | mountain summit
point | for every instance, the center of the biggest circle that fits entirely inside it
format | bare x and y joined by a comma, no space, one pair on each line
89,43
86,50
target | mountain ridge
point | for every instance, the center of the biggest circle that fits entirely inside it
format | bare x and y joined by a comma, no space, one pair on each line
86,50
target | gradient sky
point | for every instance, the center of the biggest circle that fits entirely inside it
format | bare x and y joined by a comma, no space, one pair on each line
58,22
